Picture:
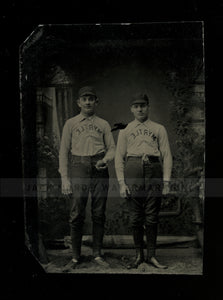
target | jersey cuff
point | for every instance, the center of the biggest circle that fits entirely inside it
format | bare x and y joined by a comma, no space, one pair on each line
121,181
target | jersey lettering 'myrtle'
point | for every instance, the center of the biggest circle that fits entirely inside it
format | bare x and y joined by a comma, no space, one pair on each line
87,128
145,132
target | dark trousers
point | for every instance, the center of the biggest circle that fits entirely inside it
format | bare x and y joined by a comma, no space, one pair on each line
144,180
86,179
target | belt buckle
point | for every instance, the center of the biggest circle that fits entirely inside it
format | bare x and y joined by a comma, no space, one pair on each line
146,160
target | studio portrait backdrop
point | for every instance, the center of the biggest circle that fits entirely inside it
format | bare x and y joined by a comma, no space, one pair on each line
163,60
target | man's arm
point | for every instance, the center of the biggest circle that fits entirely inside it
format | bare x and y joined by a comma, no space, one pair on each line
110,148
120,163
65,146
109,144
167,158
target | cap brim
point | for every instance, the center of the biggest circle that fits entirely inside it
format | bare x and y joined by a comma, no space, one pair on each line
87,93
139,102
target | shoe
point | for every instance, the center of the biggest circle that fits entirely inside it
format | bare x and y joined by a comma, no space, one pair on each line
71,265
153,261
139,259
100,261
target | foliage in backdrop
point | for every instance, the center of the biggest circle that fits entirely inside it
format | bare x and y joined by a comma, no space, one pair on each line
182,70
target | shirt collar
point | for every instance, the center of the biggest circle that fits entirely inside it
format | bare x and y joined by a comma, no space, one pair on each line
137,123
82,117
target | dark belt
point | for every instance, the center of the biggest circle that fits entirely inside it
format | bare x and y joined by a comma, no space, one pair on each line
151,158
87,158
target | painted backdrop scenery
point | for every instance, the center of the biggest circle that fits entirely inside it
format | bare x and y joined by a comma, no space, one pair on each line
164,60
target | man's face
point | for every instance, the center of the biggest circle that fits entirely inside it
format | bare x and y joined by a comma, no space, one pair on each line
87,104
140,111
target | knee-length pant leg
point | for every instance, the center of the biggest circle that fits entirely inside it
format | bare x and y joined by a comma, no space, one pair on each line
86,178
145,183
135,181
80,178
99,194
153,190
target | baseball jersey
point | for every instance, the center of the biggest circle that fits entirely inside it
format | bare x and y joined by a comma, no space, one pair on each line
138,139
85,136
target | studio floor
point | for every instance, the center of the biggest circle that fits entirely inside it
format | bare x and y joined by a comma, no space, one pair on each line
182,260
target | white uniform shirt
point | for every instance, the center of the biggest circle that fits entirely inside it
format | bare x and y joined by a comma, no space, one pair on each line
138,139
85,136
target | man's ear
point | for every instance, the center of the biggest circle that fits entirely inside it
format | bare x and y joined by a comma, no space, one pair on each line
131,108
96,101
78,102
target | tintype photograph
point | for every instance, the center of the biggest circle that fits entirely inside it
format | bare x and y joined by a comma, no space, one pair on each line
113,136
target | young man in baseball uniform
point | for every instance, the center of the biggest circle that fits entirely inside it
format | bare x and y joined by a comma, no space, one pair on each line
90,141
143,164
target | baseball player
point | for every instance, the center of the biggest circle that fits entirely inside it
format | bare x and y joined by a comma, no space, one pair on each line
143,164
90,141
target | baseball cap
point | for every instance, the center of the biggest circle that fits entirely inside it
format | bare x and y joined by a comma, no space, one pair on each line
87,90
139,98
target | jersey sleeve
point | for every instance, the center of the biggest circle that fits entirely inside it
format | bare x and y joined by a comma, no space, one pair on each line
65,147
120,155
165,153
109,143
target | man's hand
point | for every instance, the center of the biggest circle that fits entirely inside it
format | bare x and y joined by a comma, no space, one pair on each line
66,186
166,188
124,191
101,165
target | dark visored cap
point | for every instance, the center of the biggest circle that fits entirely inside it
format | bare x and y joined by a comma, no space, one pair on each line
87,90
139,98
